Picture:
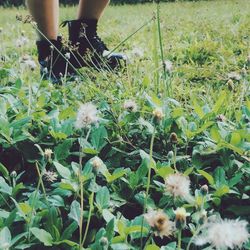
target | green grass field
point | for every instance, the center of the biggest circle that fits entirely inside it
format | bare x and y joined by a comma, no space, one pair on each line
100,184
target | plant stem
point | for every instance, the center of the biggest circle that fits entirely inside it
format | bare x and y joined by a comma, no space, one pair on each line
161,48
42,184
175,154
81,192
148,182
192,238
91,202
179,240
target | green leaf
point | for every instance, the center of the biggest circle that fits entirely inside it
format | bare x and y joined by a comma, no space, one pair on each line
62,150
188,171
5,238
209,177
235,138
103,198
220,101
98,138
42,236
220,177
152,247
4,171
110,229
67,233
63,171
197,108
4,187
221,191
165,171
75,211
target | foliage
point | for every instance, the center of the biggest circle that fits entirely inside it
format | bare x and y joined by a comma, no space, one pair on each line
100,180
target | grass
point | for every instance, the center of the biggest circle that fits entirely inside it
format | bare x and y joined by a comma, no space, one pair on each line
126,161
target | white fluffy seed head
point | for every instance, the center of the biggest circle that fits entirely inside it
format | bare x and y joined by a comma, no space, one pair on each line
224,234
130,105
160,223
178,185
87,115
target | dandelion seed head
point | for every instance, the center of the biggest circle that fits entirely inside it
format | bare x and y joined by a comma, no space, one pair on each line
130,105
158,114
168,66
50,176
160,223
234,76
28,63
178,185
87,115
48,153
137,52
224,234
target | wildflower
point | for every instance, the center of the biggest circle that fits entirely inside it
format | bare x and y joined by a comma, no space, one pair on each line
130,105
170,155
97,164
21,41
67,56
221,118
28,62
173,138
180,217
168,65
178,185
104,241
204,190
160,223
13,174
50,176
87,115
48,153
243,72
230,84
234,76
224,234
202,217
137,52
158,114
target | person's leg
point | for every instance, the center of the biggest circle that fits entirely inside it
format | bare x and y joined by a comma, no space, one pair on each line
46,15
91,9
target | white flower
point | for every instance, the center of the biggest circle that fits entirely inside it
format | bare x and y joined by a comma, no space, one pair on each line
160,223
21,41
97,163
178,185
67,56
50,176
158,113
28,63
87,115
130,105
168,66
137,52
224,234
234,76
48,153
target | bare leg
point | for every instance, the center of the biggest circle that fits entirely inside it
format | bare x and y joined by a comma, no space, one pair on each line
91,9
46,15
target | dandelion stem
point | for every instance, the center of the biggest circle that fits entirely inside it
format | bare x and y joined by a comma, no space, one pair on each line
179,240
42,184
148,182
175,154
91,201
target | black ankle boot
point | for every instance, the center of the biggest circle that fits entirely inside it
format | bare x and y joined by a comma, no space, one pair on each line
51,59
90,49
